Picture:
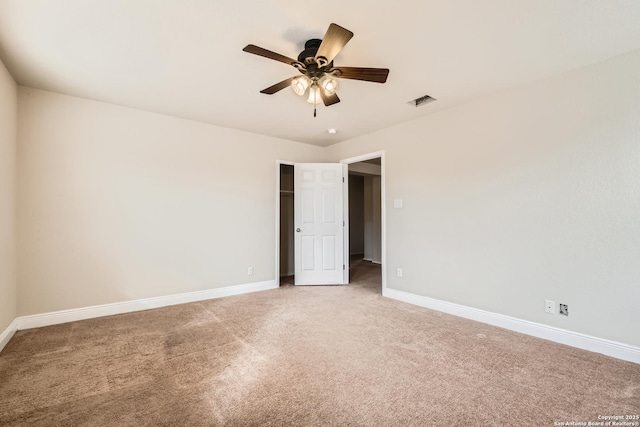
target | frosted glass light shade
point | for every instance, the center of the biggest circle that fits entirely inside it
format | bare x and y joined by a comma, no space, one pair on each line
314,95
329,85
300,85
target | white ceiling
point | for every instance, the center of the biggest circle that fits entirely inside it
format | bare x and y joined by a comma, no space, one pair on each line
184,57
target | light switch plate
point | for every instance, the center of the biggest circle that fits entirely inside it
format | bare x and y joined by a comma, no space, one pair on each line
397,203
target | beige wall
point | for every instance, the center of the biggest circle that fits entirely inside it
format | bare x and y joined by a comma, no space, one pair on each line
8,125
527,195
117,204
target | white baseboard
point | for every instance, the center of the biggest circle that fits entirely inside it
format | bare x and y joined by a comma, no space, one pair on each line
562,336
64,316
6,335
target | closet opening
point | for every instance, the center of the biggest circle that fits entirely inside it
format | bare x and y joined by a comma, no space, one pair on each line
286,238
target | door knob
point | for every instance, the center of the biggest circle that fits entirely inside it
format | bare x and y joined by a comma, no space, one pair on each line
298,230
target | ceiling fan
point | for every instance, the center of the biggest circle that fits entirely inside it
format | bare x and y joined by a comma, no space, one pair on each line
315,63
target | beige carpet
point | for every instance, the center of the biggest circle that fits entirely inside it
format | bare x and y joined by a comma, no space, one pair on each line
304,356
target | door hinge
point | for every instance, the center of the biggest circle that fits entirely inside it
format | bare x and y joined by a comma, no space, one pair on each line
343,179
343,267
343,224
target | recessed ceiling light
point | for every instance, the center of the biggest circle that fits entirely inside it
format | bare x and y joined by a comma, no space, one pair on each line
332,131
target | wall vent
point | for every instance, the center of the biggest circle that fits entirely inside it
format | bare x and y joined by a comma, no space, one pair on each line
421,101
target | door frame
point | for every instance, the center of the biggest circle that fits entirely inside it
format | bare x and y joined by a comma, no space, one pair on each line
383,214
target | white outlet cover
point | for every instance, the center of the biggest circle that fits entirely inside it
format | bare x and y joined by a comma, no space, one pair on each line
549,306
397,203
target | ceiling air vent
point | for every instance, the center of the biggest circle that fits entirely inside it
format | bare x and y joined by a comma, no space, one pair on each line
421,101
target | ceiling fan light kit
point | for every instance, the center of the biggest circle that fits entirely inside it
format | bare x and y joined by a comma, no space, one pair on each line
315,63
326,84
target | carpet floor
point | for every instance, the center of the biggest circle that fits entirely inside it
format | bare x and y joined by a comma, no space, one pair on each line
329,355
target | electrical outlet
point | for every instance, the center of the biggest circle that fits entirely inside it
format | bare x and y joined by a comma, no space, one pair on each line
250,271
399,272
549,306
564,309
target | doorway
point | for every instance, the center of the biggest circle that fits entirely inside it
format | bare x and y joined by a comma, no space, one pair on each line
371,168
365,224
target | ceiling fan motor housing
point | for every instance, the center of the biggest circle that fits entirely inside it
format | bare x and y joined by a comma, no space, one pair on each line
310,50
312,68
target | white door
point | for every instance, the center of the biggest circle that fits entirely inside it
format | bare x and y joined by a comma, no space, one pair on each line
318,219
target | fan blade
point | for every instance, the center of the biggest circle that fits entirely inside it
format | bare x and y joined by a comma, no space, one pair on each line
268,54
333,42
329,99
377,75
278,86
